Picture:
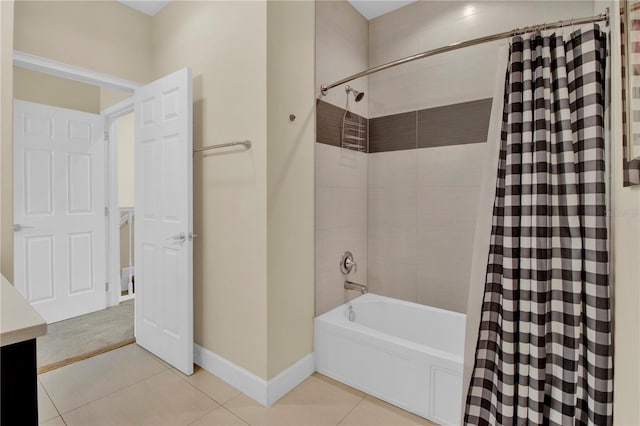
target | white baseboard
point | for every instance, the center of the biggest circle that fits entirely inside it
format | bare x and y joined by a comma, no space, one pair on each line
289,378
266,392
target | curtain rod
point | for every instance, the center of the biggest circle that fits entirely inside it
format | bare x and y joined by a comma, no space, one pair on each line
459,45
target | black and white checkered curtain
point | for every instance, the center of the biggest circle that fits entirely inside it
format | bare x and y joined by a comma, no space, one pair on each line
543,354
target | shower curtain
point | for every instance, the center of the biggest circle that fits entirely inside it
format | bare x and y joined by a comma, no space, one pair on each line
543,354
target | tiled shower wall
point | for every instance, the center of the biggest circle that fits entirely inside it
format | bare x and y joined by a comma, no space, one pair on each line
424,181
342,37
412,200
427,124
423,203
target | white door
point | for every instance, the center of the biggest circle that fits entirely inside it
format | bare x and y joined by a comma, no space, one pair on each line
59,202
163,211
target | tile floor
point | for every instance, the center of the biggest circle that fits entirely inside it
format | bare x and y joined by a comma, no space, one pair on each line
129,386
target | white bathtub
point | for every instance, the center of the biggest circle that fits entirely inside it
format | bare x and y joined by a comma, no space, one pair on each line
407,354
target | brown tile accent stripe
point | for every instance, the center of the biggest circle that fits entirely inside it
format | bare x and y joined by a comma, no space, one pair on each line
329,123
393,132
456,124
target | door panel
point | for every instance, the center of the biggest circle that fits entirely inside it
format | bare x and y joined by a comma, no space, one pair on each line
59,183
163,167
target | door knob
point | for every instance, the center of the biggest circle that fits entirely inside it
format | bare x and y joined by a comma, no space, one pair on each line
17,227
179,238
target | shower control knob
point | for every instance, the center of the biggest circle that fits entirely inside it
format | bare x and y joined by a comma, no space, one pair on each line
347,264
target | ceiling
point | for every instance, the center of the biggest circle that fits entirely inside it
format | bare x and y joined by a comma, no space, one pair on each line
368,8
373,8
150,7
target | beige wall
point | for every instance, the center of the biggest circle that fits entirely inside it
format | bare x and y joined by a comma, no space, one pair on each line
46,89
224,44
125,248
104,36
625,256
342,40
290,181
6,138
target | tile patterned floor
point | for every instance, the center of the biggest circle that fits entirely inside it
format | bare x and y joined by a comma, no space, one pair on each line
129,386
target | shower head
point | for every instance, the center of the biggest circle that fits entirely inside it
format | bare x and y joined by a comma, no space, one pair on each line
358,95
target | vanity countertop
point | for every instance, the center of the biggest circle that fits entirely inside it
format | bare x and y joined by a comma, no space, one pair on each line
18,320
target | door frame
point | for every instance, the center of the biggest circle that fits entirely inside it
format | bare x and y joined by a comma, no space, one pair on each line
110,114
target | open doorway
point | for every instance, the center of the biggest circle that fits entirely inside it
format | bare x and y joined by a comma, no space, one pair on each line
61,182
67,239
124,138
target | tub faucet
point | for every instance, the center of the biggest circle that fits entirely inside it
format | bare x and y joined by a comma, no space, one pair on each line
362,288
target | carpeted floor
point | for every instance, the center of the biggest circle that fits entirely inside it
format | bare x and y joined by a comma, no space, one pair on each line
85,336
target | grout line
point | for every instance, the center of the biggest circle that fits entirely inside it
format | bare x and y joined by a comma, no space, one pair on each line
64,422
183,378
50,399
115,391
234,415
353,408
238,415
155,358
204,415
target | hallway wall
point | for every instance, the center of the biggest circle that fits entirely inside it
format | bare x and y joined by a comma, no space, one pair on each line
6,139
33,86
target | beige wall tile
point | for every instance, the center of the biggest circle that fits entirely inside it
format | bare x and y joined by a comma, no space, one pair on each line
451,165
342,38
342,35
393,170
340,168
391,277
163,399
341,222
448,78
